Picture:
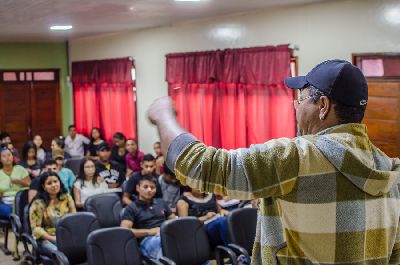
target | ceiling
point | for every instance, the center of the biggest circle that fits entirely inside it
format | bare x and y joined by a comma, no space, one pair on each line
29,20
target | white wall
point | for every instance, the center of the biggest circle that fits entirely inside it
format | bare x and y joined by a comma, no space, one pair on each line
327,30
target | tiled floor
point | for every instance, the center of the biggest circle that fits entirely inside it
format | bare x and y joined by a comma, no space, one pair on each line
8,260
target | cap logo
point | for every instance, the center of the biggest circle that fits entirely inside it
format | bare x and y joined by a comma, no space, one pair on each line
363,102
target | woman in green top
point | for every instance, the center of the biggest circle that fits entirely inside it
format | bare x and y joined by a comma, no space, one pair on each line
13,178
51,203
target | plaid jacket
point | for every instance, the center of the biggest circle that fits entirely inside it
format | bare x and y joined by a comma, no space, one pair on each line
329,198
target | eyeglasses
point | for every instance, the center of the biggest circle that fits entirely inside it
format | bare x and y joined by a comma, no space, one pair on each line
297,102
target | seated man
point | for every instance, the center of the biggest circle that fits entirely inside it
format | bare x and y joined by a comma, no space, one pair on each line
109,170
148,166
145,216
170,187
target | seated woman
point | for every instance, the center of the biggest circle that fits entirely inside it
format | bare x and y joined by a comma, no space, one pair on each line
13,178
51,203
40,150
58,143
88,183
207,210
133,158
29,160
118,152
96,140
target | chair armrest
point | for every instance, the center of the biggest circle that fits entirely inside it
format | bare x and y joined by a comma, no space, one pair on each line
16,225
28,239
59,257
220,250
240,251
166,261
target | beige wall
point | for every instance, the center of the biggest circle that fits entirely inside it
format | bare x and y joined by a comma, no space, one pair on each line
333,29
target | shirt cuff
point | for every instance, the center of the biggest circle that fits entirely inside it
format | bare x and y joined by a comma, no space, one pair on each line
177,146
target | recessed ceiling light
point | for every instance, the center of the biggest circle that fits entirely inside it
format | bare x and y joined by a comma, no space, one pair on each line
188,0
132,8
392,15
61,27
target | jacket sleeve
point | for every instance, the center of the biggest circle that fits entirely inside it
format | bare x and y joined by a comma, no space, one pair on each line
261,171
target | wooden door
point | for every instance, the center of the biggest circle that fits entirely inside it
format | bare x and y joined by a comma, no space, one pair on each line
15,111
45,110
383,116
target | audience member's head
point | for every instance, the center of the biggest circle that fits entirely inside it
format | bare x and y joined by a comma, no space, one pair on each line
58,155
88,171
5,138
6,157
104,153
131,146
148,164
50,187
58,142
37,140
72,130
147,188
169,176
157,149
29,151
50,165
95,134
119,139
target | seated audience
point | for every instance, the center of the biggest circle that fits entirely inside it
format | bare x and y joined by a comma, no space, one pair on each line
159,158
207,210
145,216
118,152
5,139
51,203
13,178
96,140
88,183
109,170
170,188
29,160
74,142
66,175
57,143
148,166
40,150
133,158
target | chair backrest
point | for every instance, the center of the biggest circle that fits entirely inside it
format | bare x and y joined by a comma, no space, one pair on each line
72,231
107,208
242,227
109,246
185,241
21,200
26,224
73,164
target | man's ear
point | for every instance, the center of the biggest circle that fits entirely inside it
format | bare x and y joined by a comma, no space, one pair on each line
324,107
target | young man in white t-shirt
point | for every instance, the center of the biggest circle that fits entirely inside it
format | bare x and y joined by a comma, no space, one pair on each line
74,142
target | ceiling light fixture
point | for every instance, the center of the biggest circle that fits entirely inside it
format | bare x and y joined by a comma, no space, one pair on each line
188,0
61,27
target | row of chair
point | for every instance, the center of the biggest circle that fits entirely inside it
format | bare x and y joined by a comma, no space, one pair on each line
184,240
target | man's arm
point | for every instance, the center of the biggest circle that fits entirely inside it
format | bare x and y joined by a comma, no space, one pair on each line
140,233
264,170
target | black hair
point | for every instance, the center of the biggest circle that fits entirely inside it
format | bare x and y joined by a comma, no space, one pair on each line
41,146
148,157
4,135
3,147
71,126
60,141
81,174
49,163
344,113
95,129
119,136
168,171
147,178
132,139
158,142
42,194
27,146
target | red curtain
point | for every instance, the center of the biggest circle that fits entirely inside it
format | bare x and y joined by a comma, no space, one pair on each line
233,98
104,97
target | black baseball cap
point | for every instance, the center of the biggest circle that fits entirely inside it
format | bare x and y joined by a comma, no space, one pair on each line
338,79
103,146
